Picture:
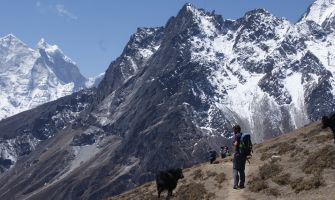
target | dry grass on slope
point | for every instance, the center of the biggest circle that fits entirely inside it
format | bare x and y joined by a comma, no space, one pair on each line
202,182
297,165
294,166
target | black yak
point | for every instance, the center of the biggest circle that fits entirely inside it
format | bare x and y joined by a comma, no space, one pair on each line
167,180
329,122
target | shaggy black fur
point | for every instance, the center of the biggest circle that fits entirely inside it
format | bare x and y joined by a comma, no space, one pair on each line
167,180
212,156
329,121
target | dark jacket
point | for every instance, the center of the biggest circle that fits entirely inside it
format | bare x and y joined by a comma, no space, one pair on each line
239,160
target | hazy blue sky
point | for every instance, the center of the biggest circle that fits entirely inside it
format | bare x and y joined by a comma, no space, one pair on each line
93,33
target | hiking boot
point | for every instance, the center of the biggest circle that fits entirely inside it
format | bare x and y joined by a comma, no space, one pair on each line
241,186
235,187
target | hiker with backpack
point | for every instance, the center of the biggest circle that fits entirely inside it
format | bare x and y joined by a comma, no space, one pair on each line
243,147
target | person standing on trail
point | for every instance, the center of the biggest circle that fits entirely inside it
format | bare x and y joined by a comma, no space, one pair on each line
239,160
224,151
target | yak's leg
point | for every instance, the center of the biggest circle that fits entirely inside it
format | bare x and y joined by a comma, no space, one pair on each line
169,194
159,192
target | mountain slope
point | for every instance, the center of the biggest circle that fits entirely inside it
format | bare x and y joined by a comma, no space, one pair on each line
174,93
31,77
297,165
320,12
45,128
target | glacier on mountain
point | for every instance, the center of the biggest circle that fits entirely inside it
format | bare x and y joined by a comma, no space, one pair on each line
31,77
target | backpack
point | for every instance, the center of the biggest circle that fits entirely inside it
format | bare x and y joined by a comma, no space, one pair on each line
245,147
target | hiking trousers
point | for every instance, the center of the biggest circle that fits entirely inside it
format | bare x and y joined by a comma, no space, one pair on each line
239,162
239,177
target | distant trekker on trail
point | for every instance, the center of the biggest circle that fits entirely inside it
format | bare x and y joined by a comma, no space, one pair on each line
224,151
243,147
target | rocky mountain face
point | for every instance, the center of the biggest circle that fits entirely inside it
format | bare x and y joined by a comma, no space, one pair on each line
173,94
31,77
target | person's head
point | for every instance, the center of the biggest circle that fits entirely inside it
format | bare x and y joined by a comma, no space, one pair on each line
237,129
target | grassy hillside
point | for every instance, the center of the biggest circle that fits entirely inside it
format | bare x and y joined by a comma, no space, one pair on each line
297,165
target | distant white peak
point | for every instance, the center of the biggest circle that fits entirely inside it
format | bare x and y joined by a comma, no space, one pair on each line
203,18
319,11
189,7
42,44
8,37
98,76
53,50
11,39
94,81
257,12
260,11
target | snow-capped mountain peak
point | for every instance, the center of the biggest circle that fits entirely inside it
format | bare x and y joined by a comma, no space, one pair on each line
42,44
257,11
320,11
10,43
94,81
10,39
189,6
174,92
30,77
52,50
199,19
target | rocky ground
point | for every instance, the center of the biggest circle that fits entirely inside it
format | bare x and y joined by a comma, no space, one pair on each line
297,165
